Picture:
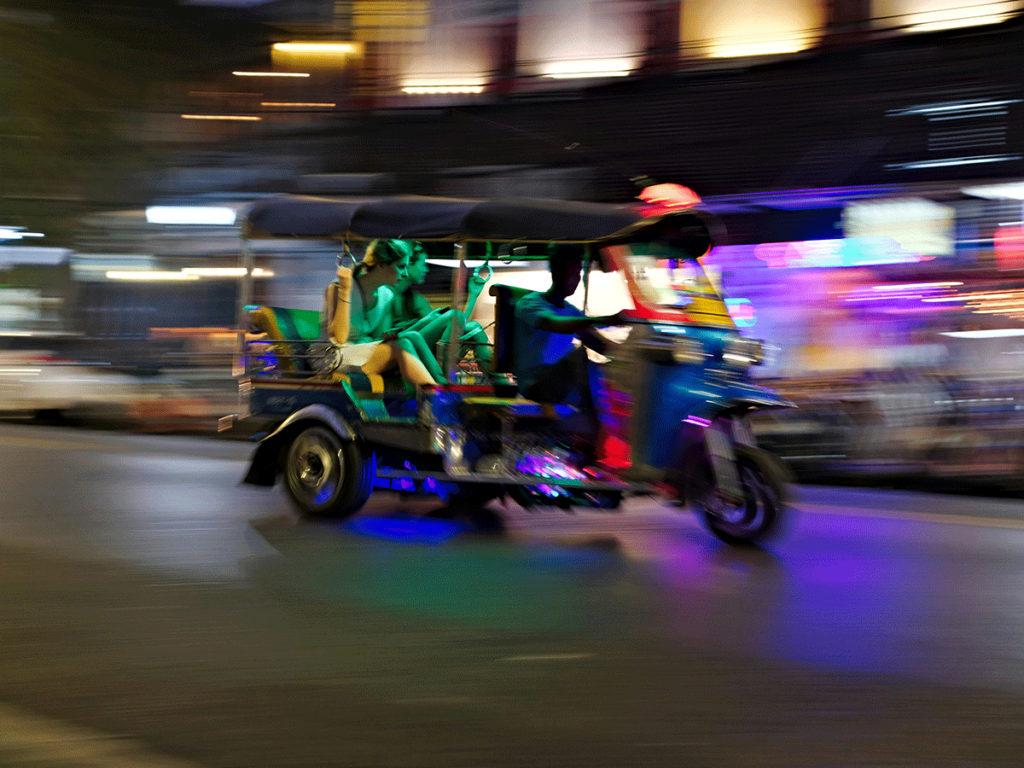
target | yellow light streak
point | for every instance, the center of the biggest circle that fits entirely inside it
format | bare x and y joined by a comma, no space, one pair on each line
583,68
245,118
335,48
297,104
238,73
433,89
582,74
224,272
997,303
958,23
979,296
728,50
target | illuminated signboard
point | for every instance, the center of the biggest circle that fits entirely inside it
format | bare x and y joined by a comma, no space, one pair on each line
742,312
820,254
919,226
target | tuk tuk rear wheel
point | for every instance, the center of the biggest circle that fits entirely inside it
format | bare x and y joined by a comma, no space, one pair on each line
325,476
756,518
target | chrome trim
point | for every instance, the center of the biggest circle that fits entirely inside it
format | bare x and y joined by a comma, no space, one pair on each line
741,352
453,456
321,413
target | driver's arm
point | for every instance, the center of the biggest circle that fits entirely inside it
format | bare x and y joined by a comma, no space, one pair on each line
593,340
553,323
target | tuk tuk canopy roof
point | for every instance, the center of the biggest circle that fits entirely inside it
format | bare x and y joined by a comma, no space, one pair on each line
450,219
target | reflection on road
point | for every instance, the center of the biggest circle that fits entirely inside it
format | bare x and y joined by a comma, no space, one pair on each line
885,583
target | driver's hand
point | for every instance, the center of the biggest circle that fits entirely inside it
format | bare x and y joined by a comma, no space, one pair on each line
619,318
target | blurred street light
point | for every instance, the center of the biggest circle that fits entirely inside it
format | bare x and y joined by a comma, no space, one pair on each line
149,276
204,215
16,233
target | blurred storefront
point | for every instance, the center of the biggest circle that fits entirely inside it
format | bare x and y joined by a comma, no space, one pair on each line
900,273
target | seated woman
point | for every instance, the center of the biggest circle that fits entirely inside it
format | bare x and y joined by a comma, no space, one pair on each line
418,328
357,311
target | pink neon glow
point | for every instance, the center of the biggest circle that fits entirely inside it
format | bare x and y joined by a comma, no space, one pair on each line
698,421
841,252
1009,247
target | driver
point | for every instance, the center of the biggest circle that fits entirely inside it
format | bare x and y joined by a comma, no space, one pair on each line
548,365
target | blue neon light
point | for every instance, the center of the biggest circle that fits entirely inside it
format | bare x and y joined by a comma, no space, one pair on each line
413,530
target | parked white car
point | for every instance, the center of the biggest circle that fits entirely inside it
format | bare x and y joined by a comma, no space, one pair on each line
40,384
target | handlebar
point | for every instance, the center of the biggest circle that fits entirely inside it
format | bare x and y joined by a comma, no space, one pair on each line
490,271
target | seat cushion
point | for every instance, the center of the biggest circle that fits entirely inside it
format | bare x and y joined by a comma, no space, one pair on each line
505,297
287,324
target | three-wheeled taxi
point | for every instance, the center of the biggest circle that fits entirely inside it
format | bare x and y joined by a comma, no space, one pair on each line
679,388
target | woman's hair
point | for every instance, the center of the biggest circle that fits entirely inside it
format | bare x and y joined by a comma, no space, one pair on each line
382,252
418,251
408,297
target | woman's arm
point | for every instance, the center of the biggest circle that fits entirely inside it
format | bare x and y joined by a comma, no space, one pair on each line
339,307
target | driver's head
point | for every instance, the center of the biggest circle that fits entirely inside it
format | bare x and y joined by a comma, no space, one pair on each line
566,264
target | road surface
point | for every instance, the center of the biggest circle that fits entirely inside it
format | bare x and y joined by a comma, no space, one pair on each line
153,611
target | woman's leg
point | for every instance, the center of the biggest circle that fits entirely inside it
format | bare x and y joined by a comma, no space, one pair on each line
475,338
382,359
426,321
414,343
413,370
434,327
389,354
437,328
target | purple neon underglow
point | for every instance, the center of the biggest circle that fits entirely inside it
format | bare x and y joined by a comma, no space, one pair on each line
698,421
548,465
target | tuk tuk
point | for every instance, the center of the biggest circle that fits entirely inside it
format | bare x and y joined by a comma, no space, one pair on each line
679,386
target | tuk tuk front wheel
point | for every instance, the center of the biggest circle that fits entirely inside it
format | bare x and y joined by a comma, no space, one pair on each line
754,519
325,476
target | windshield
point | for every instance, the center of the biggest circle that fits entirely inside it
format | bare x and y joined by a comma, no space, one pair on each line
663,279
670,283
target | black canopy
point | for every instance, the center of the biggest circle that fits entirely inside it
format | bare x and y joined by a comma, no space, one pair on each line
310,218
438,218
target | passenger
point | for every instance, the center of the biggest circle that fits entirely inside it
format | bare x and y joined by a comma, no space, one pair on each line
419,328
548,365
357,311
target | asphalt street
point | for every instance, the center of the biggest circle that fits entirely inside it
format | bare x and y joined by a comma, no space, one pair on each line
153,611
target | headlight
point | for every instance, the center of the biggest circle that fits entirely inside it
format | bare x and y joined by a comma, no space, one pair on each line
687,351
741,352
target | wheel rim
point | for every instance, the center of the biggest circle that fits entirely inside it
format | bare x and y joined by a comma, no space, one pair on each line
315,467
750,514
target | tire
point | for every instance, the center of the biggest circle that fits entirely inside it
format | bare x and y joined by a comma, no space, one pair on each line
327,477
764,485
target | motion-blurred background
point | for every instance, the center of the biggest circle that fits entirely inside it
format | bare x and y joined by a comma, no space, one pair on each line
865,156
